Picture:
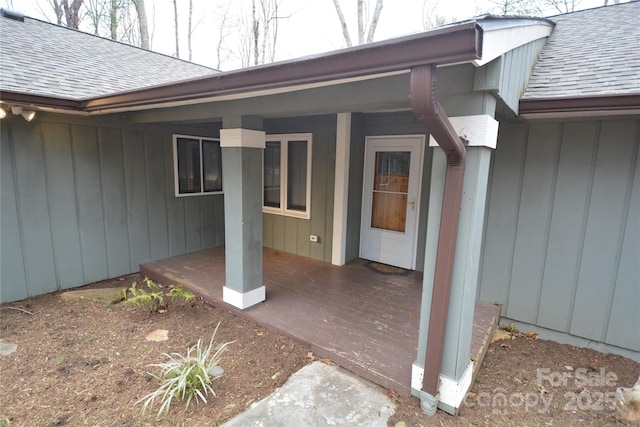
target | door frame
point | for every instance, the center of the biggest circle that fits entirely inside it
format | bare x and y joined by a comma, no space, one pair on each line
365,216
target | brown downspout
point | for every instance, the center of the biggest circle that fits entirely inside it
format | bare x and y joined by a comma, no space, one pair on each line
427,108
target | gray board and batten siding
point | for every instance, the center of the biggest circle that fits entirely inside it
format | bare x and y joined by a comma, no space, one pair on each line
89,199
289,234
562,237
86,200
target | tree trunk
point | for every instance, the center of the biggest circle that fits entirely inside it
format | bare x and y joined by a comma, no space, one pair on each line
142,24
266,24
113,19
360,21
343,23
275,31
256,34
189,31
374,21
72,13
59,11
175,14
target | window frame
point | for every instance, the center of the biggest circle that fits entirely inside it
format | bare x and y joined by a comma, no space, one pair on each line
284,140
176,174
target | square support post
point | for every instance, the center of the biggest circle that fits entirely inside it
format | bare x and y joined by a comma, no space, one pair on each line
242,179
457,367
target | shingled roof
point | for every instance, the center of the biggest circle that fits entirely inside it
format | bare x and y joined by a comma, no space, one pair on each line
75,65
594,52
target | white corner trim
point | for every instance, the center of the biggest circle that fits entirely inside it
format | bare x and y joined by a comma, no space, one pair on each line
496,42
246,300
478,131
452,392
240,137
341,189
417,373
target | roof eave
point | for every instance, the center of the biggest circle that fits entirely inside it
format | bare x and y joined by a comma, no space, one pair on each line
458,43
12,97
613,104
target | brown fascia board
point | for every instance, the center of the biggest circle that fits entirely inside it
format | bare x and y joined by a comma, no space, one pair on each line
587,103
457,43
10,97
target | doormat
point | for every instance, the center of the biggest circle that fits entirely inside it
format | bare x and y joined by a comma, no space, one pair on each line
387,269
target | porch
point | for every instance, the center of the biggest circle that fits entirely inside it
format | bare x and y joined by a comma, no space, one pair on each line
363,318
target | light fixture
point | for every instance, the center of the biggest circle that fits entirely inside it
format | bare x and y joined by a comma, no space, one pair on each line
3,113
28,115
17,110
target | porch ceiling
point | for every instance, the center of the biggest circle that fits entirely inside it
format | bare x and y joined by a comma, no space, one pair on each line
389,92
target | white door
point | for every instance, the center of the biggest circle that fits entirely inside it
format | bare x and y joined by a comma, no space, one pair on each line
390,201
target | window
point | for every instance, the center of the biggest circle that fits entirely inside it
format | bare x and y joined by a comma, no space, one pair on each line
197,165
287,175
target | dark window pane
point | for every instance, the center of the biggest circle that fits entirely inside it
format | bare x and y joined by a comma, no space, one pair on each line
297,176
272,174
211,166
188,165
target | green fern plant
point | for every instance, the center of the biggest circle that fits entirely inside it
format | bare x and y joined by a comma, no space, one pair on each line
186,377
154,297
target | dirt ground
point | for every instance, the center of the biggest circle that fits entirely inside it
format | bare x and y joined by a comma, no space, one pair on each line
86,363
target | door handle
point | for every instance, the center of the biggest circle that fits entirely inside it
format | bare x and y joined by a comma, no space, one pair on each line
413,203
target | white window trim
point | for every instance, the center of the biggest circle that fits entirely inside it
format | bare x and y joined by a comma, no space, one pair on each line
284,169
176,176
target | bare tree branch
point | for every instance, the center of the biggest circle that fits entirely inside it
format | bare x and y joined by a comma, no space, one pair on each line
175,15
222,35
563,6
58,10
374,21
343,23
189,30
360,21
255,25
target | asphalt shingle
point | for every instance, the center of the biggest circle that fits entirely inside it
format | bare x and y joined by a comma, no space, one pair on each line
44,59
590,53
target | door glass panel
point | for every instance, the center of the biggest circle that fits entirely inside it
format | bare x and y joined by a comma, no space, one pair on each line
390,190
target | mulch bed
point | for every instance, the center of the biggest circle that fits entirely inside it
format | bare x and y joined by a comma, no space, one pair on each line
87,363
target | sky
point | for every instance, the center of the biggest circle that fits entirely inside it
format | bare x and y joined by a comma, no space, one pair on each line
310,26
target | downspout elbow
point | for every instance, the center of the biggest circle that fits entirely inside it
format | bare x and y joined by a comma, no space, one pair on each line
425,104
427,108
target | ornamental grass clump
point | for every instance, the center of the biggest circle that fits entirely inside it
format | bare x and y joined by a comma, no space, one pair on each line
186,377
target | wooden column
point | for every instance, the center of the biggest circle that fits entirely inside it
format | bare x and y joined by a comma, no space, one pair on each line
242,180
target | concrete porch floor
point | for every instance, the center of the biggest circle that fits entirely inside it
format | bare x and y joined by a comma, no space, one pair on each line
362,319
